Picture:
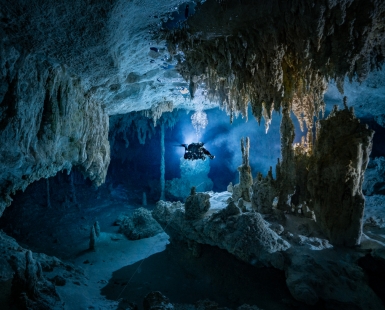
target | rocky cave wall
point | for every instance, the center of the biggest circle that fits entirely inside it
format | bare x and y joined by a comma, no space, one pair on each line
47,123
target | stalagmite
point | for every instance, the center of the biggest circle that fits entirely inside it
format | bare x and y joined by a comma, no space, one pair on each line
242,190
97,229
336,173
285,168
162,163
264,192
92,238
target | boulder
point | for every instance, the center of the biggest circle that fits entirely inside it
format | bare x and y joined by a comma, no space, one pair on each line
139,225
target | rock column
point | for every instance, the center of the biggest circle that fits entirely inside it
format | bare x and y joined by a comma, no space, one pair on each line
245,178
341,155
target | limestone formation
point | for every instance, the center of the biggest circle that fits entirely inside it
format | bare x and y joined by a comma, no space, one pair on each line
196,205
230,187
97,229
277,53
285,168
242,190
30,289
264,192
47,124
246,235
139,225
92,238
341,155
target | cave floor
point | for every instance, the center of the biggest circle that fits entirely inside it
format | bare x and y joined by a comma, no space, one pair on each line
120,271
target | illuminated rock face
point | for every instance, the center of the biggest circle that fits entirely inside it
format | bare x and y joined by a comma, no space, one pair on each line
341,155
47,124
277,53
242,190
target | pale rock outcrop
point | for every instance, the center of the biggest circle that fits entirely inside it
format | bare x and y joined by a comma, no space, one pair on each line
341,155
47,124
246,235
243,189
196,205
140,224
264,192
374,179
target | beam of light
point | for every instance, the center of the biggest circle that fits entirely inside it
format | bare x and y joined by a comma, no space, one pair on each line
199,121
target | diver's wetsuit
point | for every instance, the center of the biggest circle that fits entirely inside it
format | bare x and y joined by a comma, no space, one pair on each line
196,151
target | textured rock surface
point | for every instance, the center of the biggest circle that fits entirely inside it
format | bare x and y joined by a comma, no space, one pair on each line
341,154
139,225
285,168
107,44
29,273
275,53
243,189
315,270
246,235
47,124
196,205
264,192
374,179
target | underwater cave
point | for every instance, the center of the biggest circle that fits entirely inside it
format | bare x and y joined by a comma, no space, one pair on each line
207,154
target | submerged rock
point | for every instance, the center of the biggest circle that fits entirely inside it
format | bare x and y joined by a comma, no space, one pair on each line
246,235
157,301
139,225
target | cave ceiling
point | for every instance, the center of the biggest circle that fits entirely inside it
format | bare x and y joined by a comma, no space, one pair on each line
229,53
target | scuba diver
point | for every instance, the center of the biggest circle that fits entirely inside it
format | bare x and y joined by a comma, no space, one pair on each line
195,151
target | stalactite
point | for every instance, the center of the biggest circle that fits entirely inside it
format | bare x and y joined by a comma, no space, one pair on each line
162,164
